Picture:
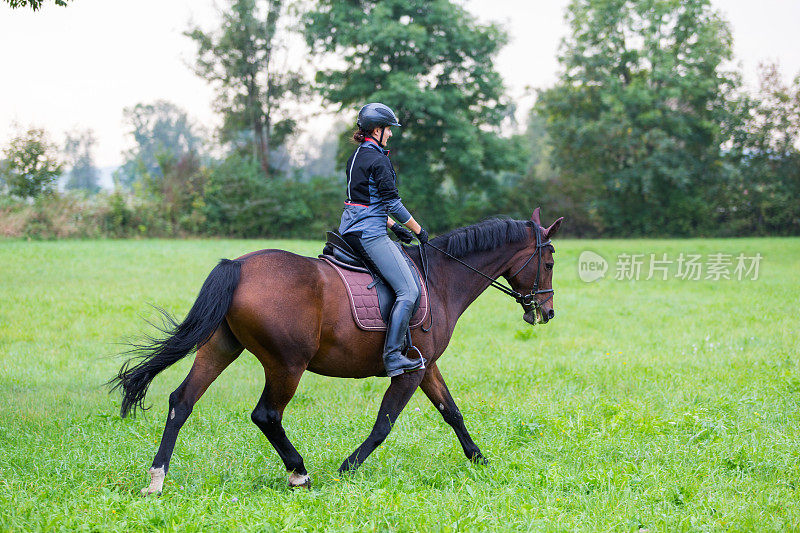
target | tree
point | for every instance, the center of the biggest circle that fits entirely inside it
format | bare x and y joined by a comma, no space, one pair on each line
31,167
179,190
252,92
322,159
161,131
432,62
165,164
637,117
774,126
78,151
542,184
763,196
33,4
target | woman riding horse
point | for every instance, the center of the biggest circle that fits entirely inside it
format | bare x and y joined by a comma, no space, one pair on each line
371,198
244,304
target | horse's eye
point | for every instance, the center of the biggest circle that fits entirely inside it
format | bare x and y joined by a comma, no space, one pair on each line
549,266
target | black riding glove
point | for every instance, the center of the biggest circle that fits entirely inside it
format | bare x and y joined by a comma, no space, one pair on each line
402,233
422,236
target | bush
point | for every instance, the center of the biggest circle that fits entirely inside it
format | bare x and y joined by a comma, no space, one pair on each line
73,215
239,201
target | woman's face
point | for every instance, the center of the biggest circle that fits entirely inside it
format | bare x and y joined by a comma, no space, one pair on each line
387,134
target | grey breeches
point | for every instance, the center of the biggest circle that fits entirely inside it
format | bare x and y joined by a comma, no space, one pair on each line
388,260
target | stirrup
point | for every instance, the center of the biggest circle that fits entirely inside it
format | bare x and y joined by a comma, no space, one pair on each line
412,347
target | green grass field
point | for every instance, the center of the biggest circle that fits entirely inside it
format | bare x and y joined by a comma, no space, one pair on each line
657,405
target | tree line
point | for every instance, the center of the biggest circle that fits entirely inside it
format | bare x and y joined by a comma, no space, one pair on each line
649,130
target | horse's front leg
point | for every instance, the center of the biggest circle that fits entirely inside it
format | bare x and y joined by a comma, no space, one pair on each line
394,400
435,389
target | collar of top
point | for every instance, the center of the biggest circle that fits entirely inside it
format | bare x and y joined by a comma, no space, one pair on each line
370,141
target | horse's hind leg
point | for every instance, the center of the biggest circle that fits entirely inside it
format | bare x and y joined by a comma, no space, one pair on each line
268,416
435,389
394,400
211,359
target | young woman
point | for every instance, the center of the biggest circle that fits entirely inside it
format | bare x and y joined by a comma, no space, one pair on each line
372,201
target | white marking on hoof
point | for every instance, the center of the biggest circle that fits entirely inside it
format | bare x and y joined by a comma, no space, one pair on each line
441,407
172,414
157,476
298,480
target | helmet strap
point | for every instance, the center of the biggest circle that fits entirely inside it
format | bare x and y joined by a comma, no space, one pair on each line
383,130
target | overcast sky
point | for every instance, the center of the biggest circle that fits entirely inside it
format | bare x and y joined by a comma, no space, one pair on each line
79,66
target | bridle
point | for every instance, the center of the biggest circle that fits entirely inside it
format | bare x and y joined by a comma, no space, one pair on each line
530,298
527,300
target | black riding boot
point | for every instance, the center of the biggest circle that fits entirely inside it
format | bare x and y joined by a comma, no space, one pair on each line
393,359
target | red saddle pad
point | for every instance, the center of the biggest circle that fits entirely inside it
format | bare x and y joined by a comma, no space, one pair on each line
364,300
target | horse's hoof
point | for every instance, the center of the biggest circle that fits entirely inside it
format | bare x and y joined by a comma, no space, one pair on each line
479,459
157,476
147,492
299,480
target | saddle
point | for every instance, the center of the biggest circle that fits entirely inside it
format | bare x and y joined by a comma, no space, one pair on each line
371,298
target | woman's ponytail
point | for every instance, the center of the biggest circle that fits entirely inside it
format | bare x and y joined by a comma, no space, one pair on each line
360,135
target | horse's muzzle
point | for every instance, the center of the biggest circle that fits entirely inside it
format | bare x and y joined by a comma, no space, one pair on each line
530,317
543,315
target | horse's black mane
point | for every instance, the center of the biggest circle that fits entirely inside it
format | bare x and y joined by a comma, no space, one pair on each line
486,235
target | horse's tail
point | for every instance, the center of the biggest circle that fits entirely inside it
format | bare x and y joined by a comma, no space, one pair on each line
154,355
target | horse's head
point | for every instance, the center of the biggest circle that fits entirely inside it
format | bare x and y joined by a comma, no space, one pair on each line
530,273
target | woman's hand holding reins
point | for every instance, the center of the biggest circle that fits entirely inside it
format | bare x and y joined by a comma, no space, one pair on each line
418,231
402,233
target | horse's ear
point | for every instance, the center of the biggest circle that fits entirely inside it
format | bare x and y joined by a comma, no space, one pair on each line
535,216
553,229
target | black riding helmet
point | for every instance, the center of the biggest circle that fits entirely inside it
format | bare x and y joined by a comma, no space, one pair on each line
376,115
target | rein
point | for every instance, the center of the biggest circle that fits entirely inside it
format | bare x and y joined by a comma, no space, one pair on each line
493,282
522,299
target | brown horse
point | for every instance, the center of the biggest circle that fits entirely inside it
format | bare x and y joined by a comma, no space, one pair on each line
293,314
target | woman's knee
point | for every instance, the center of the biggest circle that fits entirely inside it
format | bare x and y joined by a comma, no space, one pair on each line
409,294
